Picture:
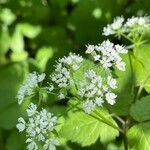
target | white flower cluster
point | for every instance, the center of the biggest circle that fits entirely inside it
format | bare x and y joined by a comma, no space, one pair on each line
131,25
72,61
39,127
114,27
61,74
143,22
108,54
28,87
96,90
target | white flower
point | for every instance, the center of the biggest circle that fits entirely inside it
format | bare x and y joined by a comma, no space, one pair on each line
28,87
97,57
72,60
111,82
61,96
50,88
120,49
31,109
133,25
32,145
21,93
95,90
120,65
21,124
114,27
99,101
108,54
38,127
41,77
90,48
138,21
89,106
51,144
110,98
61,76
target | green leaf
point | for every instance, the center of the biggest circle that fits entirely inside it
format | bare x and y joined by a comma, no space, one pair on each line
19,56
10,79
140,111
124,90
29,30
17,42
6,16
15,141
85,130
8,118
142,68
4,41
139,136
43,55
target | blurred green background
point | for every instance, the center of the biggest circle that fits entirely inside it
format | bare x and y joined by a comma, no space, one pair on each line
34,33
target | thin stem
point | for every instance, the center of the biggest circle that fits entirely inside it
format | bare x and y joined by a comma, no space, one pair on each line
141,88
118,118
139,92
126,37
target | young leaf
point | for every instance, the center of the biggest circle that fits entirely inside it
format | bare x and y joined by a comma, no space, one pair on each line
85,130
139,136
140,111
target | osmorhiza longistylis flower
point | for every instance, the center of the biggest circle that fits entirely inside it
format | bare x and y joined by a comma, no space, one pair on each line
38,128
108,54
27,89
97,90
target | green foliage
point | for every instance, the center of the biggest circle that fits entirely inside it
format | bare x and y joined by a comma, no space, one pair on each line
33,34
86,130
124,90
139,136
140,111
142,67
10,78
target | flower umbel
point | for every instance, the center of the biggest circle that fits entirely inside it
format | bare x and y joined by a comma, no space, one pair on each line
30,84
39,127
96,90
108,54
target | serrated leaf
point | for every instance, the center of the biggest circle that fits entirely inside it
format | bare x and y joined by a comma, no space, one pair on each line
86,130
140,111
139,136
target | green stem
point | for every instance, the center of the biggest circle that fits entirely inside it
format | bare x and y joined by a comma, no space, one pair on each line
126,37
125,141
